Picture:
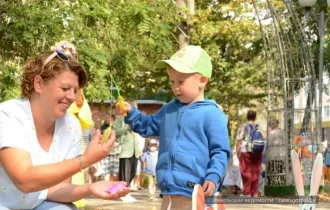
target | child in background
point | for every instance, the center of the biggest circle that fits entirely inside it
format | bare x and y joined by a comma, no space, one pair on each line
110,164
327,161
81,110
233,175
150,157
194,144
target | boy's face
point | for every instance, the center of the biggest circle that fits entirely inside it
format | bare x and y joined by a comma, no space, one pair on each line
152,147
188,88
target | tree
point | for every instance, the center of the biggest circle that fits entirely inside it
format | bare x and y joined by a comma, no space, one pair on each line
232,38
111,36
26,28
127,38
130,38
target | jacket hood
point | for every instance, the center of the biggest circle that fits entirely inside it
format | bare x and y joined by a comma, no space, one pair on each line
199,103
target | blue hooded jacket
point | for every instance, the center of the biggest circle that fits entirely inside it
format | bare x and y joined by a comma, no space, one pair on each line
194,144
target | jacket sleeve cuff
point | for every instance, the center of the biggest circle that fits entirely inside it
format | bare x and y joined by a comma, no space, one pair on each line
130,114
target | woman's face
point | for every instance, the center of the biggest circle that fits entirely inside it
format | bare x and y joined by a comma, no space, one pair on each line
58,94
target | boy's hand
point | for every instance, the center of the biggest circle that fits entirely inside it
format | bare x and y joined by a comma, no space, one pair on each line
127,109
208,187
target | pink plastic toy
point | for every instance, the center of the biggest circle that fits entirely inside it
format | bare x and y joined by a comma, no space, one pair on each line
115,188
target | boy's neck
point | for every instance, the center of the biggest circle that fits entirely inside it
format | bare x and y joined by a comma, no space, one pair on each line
200,97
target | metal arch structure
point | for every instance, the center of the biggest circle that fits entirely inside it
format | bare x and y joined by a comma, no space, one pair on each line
291,76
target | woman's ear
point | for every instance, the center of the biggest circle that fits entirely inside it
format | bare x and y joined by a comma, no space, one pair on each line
37,84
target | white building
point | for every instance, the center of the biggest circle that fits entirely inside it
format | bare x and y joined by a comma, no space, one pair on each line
300,104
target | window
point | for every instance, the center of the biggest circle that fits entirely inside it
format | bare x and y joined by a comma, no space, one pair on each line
326,111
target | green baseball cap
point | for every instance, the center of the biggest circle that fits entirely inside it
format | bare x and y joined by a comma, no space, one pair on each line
190,59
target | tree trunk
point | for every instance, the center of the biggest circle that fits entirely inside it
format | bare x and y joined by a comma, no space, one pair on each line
183,27
191,6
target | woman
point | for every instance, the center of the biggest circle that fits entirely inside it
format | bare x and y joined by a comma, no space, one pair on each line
40,145
276,153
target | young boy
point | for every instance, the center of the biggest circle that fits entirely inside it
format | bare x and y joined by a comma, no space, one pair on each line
150,157
194,145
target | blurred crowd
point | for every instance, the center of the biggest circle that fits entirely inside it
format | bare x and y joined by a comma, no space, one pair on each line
132,159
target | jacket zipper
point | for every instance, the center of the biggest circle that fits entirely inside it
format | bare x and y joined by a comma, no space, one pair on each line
177,134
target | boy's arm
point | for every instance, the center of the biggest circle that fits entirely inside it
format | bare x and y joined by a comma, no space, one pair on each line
219,149
143,157
144,125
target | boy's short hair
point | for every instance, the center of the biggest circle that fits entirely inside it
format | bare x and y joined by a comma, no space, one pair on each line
190,59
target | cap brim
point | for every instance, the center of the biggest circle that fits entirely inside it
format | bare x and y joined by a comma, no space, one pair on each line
162,64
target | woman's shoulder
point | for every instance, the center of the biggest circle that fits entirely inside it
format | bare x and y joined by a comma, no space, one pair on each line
18,107
14,104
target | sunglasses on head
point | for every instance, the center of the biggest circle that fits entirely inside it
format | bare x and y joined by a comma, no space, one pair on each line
57,53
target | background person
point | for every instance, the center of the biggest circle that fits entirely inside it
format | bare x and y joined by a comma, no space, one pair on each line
150,158
127,159
110,164
276,152
250,163
81,110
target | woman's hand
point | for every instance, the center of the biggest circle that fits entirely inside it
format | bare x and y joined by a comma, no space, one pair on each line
127,109
97,151
99,190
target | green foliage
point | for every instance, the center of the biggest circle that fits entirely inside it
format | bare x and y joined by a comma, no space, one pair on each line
132,37
8,82
126,38
25,30
232,39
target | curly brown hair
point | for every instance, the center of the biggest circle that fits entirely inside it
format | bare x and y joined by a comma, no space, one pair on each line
35,66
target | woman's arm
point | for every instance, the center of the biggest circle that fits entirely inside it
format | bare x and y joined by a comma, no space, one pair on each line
239,139
66,192
238,147
120,127
28,178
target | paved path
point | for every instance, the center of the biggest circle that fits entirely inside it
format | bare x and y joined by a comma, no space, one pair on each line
145,204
